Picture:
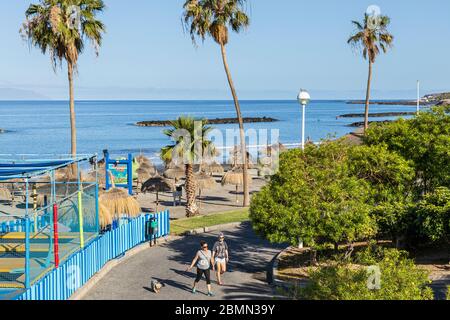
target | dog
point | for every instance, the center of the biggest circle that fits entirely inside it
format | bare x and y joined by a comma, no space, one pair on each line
156,286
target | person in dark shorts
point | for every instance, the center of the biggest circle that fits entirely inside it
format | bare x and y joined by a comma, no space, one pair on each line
220,257
204,261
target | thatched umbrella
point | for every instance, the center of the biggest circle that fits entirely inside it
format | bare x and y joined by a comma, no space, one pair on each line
143,175
143,159
203,182
174,173
150,168
236,157
5,194
235,177
157,184
119,202
213,168
105,216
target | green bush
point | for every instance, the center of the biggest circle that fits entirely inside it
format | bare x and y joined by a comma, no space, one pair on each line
399,279
424,140
430,219
315,198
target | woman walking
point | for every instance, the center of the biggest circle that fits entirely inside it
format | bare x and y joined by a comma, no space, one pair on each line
220,257
204,262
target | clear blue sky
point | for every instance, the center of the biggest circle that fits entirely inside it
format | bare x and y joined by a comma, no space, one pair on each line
290,44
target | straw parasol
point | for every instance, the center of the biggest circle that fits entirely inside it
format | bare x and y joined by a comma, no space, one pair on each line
174,173
157,184
105,216
150,168
213,168
236,157
142,176
203,182
235,177
143,159
5,194
119,202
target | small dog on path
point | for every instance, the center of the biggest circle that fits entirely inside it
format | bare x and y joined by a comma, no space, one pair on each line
156,286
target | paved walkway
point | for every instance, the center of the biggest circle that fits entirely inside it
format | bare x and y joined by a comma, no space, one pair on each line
250,259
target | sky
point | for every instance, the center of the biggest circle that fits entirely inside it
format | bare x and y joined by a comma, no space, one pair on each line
290,44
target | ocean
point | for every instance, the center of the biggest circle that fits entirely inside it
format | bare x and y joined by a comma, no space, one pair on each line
42,127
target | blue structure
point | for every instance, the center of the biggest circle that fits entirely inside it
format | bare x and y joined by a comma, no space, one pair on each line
37,229
110,164
62,283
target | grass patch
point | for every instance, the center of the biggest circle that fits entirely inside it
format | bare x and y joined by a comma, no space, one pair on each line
180,226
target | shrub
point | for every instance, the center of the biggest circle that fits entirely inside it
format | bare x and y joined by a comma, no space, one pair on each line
424,140
314,198
430,219
399,278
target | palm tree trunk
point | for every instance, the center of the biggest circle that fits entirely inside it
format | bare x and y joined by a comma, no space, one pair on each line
191,205
73,128
246,201
366,115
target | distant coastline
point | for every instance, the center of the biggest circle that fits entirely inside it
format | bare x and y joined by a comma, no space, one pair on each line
377,115
167,123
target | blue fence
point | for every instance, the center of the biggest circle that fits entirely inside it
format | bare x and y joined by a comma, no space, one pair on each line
62,283
19,224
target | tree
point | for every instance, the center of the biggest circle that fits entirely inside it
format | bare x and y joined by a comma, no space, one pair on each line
391,178
424,140
399,278
371,36
214,18
191,144
61,27
314,197
431,217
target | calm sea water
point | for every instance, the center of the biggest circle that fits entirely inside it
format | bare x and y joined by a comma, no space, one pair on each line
42,127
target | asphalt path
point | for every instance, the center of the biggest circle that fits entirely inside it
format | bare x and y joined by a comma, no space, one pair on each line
248,275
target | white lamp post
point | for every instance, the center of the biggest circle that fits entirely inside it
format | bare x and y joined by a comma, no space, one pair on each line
418,96
303,99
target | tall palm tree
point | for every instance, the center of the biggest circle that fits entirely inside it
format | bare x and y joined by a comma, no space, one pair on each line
191,143
61,27
371,35
214,18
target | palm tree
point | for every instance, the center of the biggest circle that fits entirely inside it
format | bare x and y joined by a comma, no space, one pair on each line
191,141
214,18
61,27
370,36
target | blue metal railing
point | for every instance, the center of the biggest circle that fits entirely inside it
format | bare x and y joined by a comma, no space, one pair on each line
63,282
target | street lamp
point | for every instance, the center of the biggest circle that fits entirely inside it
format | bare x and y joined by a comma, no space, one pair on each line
303,99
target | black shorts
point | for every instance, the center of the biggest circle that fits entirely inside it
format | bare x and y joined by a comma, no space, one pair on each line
207,274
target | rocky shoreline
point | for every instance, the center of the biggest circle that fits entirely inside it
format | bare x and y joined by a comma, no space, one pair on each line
377,115
393,103
361,123
167,123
